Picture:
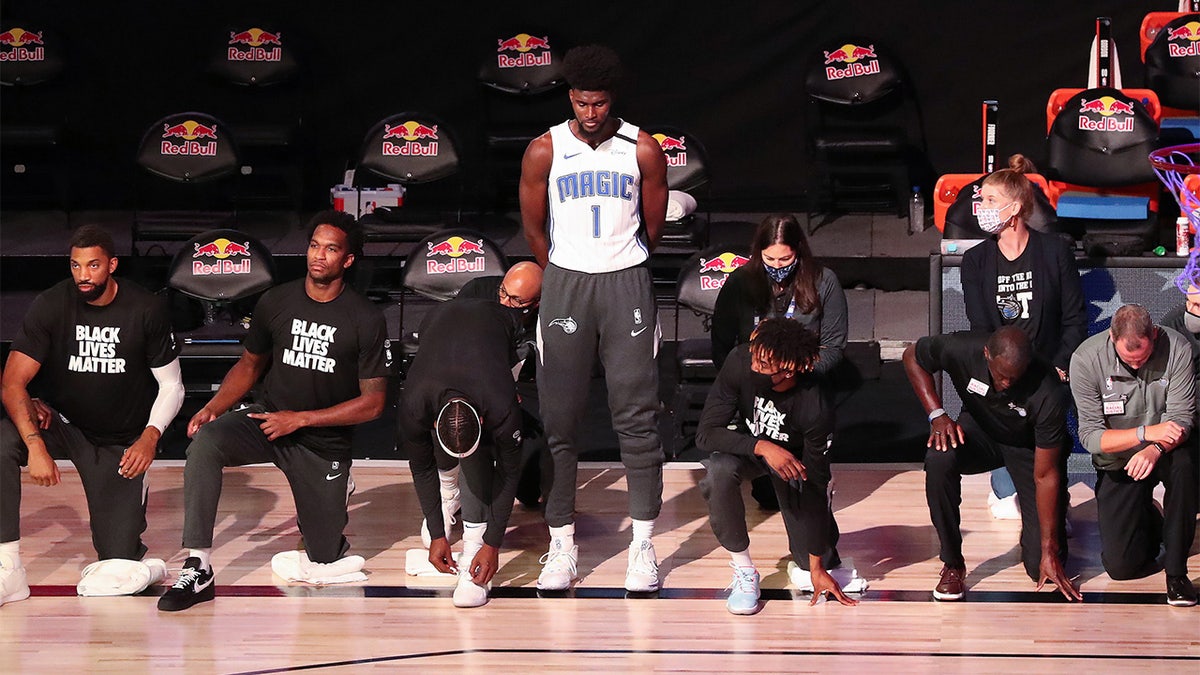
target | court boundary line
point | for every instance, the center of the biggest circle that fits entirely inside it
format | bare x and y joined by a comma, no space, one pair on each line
714,652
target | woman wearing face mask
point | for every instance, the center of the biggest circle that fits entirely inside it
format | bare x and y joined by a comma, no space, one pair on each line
1019,276
782,279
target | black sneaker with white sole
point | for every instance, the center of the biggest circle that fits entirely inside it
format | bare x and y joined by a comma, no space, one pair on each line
195,585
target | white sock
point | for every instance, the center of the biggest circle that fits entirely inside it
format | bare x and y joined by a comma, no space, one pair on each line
449,483
12,551
742,559
565,534
642,530
473,532
204,554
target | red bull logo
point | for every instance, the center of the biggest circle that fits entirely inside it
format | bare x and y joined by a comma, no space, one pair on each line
674,148
189,134
723,265
1189,33
455,248
222,250
419,140
255,45
858,60
524,45
19,42
1106,107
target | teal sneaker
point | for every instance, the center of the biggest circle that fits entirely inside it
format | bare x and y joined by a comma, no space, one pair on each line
743,591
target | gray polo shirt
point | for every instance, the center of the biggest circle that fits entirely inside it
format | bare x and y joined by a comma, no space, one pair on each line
1108,395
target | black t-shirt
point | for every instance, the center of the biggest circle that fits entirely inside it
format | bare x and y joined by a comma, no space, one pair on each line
466,350
797,419
1016,298
96,361
319,352
1030,413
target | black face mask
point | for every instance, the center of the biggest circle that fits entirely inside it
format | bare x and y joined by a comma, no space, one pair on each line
780,274
761,382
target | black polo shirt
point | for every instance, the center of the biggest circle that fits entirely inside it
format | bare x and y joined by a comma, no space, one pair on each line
1030,413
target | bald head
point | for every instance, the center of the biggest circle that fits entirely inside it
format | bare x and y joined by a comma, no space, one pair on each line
1008,353
522,285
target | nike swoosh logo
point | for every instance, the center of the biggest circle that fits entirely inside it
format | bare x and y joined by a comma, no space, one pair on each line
574,154
331,476
200,587
635,333
1111,395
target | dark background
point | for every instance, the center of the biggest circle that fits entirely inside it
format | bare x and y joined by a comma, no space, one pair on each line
730,74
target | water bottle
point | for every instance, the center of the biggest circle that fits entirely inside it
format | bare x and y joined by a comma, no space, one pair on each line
916,212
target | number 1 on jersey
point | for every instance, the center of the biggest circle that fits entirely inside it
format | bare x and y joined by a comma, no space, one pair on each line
596,221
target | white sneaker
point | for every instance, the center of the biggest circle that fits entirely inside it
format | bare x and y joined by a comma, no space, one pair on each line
846,576
13,584
641,576
558,567
450,507
467,593
1004,509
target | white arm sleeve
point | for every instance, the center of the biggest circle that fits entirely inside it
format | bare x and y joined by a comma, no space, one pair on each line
170,395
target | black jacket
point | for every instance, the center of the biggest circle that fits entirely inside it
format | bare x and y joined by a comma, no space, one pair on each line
1063,324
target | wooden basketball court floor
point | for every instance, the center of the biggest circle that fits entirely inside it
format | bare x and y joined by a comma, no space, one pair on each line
394,622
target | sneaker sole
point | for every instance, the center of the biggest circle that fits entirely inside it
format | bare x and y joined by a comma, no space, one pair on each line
948,596
745,612
20,595
1181,603
556,587
642,589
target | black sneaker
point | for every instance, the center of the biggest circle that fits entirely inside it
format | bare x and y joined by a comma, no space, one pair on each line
195,585
1180,591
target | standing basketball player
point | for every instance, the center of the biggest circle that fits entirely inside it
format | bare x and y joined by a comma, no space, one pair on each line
593,200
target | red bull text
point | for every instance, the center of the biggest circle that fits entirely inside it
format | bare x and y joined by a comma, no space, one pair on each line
851,55
455,248
188,134
253,46
19,42
524,45
1190,34
221,249
419,139
721,265
1114,115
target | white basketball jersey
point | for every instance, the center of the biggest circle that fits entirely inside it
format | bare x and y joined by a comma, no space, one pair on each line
595,202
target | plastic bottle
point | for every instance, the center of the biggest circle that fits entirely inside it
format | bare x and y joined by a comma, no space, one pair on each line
916,211
1182,233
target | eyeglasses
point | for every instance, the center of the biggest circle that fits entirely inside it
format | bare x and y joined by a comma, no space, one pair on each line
514,301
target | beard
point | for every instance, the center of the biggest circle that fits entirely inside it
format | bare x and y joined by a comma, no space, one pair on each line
96,292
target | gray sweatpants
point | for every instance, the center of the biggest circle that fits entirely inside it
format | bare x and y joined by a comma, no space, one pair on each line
233,439
611,314
116,505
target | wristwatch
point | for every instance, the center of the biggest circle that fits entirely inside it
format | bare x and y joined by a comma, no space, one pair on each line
1141,433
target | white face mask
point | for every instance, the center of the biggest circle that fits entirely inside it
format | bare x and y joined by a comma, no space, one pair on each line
990,220
1191,322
